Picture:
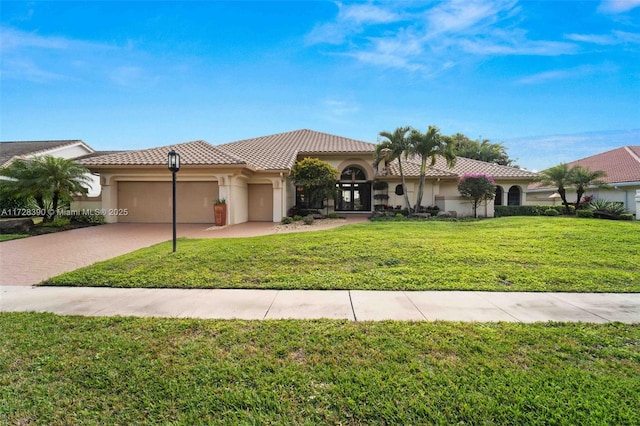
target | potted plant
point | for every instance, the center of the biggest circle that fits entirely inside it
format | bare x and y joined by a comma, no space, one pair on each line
220,211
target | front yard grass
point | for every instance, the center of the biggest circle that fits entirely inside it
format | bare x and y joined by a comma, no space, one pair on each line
506,254
58,370
9,237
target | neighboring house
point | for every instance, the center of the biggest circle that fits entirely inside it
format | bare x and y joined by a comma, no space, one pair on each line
253,176
68,149
622,166
10,151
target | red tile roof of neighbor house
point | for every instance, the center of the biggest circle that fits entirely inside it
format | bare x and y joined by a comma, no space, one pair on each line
620,164
191,153
23,149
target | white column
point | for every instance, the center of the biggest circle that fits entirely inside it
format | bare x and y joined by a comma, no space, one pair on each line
637,204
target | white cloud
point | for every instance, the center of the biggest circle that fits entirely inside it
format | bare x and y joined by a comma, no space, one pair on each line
351,19
618,6
13,39
616,37
569,73
431,37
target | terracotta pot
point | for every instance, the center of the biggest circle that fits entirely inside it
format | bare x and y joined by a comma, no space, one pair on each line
220,214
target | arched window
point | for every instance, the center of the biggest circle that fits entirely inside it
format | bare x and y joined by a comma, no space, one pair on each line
513,197
352,173
399,190
499,195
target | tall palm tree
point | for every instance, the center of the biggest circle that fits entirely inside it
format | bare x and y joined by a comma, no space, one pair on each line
394,148
428,146
582,178
560,177
46,179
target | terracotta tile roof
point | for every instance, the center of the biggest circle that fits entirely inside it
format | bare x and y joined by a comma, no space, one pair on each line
280,151
191,153
411,167
620,164
22,149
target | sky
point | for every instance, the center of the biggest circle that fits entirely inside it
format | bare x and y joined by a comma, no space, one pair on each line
553,81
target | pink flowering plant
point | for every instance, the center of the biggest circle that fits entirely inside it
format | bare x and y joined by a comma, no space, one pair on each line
478,187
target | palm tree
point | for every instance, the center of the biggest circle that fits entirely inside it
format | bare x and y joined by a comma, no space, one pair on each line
582,178
46,179
558,176
395,147
428,146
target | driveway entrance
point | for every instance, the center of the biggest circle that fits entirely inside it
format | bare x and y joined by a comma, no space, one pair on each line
29,261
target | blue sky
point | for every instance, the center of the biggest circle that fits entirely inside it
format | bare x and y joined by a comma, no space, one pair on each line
552,80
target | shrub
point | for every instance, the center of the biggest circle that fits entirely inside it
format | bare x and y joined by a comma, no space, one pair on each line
297,217
58,222
286,220
333,215
551,212
399,216
610,207
92,219
584,213
308,220
626,216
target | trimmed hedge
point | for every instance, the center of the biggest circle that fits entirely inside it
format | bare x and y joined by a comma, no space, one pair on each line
504,211
586,213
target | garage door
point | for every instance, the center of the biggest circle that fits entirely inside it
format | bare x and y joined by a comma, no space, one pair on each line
260,203
150,202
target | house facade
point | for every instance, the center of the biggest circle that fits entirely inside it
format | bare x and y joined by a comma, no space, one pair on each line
253,176
622,166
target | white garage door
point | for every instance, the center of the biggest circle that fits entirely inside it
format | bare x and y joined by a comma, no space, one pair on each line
150,202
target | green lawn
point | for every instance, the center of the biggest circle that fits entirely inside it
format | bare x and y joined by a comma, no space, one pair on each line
506,254
9,237
58,370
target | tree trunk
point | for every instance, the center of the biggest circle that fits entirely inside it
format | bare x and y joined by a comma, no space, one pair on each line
404,186
423,169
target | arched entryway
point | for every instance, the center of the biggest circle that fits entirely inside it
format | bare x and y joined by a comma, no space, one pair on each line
497,201
514,196
354,191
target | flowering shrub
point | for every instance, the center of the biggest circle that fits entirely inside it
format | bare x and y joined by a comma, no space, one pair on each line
477,186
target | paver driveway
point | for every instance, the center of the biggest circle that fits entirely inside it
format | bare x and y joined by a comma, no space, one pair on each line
29,261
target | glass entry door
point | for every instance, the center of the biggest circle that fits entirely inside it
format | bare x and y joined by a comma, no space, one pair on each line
354,197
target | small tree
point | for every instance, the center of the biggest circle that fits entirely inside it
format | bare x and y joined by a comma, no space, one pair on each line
317,179
560,177
478,187
582,178
47,180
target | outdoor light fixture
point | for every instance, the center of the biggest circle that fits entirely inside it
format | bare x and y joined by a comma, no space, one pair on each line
173,163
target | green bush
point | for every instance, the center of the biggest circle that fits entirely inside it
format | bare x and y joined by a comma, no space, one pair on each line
297,217
308,220
610,207
626,216
286,220
551,212
58,222
92,219
333,215
586,213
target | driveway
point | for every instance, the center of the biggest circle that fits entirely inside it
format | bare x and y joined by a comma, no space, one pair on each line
29,261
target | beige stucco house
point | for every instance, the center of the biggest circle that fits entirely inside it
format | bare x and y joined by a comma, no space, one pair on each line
622,166
253,177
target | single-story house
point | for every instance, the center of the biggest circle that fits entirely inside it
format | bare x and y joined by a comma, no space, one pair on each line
67,149
622,166
253,176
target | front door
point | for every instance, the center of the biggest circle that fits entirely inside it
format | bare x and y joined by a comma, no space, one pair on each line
354,197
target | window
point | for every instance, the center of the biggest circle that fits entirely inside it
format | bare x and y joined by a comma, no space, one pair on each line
399,190
499,195
353,173
513,197
354,192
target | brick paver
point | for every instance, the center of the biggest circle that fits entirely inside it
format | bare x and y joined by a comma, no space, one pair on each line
29,261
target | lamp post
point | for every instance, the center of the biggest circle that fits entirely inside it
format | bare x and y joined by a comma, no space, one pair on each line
173,163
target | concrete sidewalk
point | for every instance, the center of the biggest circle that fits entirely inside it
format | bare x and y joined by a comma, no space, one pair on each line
353,305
